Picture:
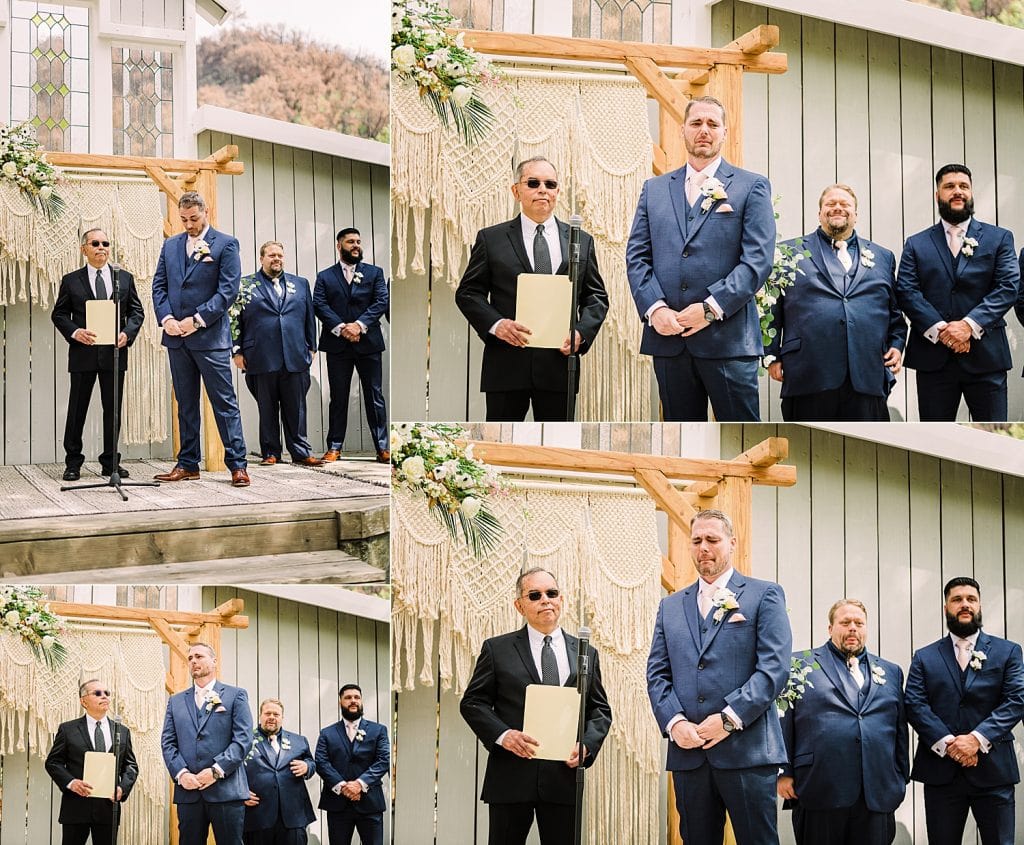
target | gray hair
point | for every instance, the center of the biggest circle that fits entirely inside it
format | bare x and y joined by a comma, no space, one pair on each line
533,570
710,101
84,684
535,160
192,199
87,232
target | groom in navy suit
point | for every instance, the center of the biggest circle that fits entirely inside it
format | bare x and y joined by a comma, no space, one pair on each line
719,658
965,694
195,282
851,710
702,245
206,736
957,279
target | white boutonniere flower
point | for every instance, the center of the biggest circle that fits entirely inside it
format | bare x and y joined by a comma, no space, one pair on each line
724,599
286,744
867,258
977,657
877,675
967,248
360,735
357,277
211,700
713,191
200,249
289,286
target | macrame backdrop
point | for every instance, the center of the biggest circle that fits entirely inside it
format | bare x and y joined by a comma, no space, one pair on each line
35,253
34,701
603,548
595,132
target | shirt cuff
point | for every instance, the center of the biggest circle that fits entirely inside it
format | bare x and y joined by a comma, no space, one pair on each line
362,326
500,738
336,331
940,746
235,350
679,717
494,329
199,319
165,319
711,301
768,360
216,767
986,746
336,789
932,334
736,720
179,775
976,330
661,303
362,785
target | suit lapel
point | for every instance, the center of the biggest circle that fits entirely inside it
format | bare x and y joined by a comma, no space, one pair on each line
677,192
83,280
948,655
973,231
218,688
692,613
981,645
817,250
827,662
938,236
736,583
862,244
515,236
83,726
572,651
563,239
193,262
724,175
522,645
870,692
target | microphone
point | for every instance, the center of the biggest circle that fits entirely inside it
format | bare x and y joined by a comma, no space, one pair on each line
582,657
575,222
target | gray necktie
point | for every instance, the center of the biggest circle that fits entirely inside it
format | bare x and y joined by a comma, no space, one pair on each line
541,253
548,664
97,738
101,289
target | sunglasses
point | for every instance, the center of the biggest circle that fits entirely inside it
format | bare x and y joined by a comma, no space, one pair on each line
100,693
533,184
536,595
95,244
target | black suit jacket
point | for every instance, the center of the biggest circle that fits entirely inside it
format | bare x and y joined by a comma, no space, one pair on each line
487,293
69,315
494,702
66,762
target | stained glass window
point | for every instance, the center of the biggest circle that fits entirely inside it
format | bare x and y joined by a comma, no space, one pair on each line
50,72
623,20
143,88
479,14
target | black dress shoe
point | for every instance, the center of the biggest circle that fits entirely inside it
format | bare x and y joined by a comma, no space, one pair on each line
121,471
71,474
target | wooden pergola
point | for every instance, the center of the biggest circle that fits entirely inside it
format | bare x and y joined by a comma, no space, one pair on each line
671,74
723,484
174,176
178,629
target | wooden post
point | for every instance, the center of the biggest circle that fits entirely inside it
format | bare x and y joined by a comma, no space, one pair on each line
725,83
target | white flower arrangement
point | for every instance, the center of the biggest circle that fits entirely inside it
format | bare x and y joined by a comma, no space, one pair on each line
785,266
23,162
725,600
877,674
246,290
797,683
977,658
200,249
712,190
426,459
968,246
867,257
447,73
24,611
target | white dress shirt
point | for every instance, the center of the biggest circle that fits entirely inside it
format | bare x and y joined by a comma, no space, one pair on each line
552,238
103,271
104,724
977,331
940,746
536,639
351,728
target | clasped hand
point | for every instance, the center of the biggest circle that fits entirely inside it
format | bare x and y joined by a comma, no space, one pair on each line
176,328
202,780
687,322
707,734
957,336
964,749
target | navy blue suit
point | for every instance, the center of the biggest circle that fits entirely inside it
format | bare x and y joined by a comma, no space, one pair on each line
339,759
204,285
366,301
931,287
696,667
277,339
866,729
833,329
941,701
220,734
683,255
284,800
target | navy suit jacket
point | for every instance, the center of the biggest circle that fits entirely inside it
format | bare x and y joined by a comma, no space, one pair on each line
823,332
495,701
272,337
990,700
204,285
1019,307
365,300
366,759
684,255
487,293
278,789
983,286
743,662
871,740
222,734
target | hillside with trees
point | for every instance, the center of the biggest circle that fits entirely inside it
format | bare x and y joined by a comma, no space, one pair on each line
286,75
1009,12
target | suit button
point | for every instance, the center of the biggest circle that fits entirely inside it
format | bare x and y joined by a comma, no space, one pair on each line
682,287
841,321
700,665
700,699
845,299
686,254
858,739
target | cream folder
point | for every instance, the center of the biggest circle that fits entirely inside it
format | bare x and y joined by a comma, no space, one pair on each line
99,319
552,717
99,773
542,305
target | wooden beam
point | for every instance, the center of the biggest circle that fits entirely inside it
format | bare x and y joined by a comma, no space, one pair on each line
598,50
758,40
175,641
230,608
768,452
703,489
735,500
659,161
725,83
229,152
659,86
139,614
112,162
666,496
164,182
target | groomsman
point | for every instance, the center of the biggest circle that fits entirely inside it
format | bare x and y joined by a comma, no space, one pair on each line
965,695
275,342
350,297
957,279
88,362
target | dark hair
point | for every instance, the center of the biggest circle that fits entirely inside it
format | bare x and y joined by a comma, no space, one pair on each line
351,230
962,581
341,692
952,168
533,570
713,513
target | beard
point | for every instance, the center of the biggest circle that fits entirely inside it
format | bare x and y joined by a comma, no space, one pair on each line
834,231
352,256
847,651
352,715
963,629
951,215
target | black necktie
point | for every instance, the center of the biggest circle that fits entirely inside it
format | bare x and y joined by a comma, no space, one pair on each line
97,738
541,253
101,289
548,664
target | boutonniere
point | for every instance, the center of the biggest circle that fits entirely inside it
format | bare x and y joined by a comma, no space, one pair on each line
289,286
977,657
211,701
200,249
357,277
877,675
867,258
360,735
967,248
286,744
713,191
724,599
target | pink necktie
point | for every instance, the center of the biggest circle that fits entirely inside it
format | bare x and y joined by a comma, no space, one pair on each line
955,238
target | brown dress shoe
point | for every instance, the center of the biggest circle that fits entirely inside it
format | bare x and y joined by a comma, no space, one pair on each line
308,461
178,474
331,455
239,478
268,461
383,457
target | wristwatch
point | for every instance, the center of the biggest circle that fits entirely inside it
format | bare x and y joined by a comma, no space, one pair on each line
196,325
709,313
727,723
217,774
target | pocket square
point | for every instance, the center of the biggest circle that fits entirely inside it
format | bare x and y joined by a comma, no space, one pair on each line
209,259
724,207
737,617
220,709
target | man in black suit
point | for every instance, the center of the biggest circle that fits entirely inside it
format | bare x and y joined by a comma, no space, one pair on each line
81,814
88,362
517,787
515,375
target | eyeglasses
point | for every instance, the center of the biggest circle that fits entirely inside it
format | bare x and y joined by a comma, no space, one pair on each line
536,595
533,184
99,243
100,693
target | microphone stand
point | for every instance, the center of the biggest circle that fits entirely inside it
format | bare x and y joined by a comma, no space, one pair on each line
574,280
582,685
116,809
115,468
